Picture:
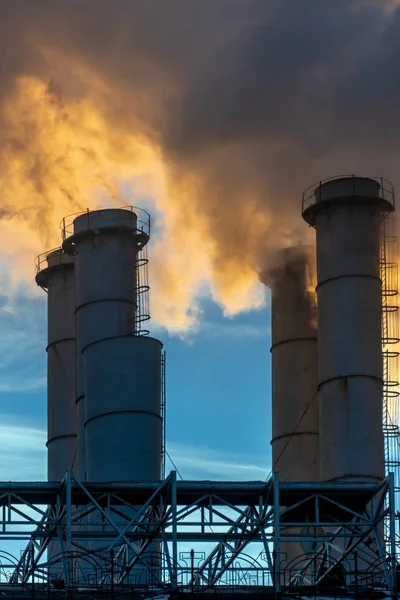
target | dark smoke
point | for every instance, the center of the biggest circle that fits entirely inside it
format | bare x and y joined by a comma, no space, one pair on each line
254,99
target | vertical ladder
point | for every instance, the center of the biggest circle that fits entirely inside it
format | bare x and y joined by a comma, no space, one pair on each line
140,315
140,292
390,351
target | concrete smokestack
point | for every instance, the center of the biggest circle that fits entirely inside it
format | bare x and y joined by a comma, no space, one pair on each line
347,213
55,274
295,425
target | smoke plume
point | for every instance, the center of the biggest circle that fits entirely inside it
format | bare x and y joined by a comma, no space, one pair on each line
219,113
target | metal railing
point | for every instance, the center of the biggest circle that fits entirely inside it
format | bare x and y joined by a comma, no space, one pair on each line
101,573
41,260
310,196
143,220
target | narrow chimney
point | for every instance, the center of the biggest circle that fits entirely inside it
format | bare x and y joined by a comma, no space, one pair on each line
295,425
55,274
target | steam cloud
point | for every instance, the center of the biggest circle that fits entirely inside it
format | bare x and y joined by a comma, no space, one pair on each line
223,111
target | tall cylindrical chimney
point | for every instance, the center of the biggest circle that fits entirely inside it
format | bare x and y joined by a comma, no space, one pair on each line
105,245
294,354
119,373
294,358
347,214
57,278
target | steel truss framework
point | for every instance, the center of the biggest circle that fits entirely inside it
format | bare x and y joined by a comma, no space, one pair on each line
126,534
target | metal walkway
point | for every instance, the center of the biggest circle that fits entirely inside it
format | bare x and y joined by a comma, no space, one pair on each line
198,535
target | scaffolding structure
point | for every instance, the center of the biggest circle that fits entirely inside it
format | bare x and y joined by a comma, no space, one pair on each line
243,524
193,537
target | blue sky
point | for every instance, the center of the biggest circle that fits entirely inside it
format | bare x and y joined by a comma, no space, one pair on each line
218,392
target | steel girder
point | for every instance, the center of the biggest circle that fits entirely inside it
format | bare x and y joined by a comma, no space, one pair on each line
115,527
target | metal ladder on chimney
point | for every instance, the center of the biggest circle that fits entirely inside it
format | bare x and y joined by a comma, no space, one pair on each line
140,315
140,291
390,351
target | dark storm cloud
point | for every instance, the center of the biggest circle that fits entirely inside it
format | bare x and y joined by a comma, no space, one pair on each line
303,71
255,98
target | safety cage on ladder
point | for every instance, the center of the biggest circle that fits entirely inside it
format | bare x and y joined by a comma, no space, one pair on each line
390,349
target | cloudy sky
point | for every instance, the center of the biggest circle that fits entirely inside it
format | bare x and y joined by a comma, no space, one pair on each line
214,115
218,421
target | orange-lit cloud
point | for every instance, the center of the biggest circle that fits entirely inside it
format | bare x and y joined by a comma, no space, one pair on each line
62,155
216,114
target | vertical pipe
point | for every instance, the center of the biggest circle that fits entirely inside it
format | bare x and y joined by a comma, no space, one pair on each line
277,535
112,557
356,572
174,509
57,278
192,570
347,214
68,533
33,572
392,524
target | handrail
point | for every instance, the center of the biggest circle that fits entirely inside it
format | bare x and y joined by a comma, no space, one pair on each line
386,190
143,220
41,259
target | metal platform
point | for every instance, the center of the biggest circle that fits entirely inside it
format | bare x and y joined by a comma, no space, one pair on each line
199,535
187,492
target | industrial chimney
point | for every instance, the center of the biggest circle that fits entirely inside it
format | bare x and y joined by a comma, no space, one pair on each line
347,213
119,372
294,356
55,274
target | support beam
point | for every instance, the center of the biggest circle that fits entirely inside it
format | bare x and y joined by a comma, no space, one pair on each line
340,518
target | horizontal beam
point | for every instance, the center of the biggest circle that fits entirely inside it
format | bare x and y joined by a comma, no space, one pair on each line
239,493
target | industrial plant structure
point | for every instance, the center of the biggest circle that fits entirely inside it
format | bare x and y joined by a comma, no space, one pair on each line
347,214
58,279
295,437
324,522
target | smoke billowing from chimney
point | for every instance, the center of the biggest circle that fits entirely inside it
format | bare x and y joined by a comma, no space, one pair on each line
294,359
222,111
